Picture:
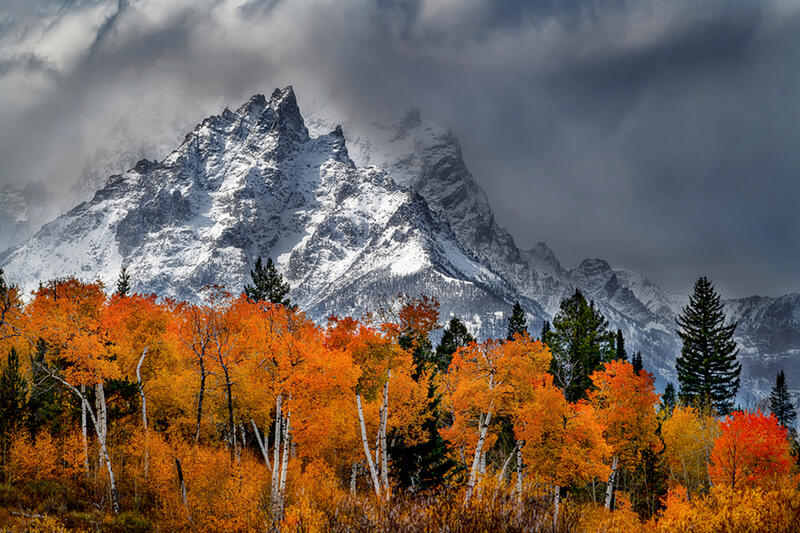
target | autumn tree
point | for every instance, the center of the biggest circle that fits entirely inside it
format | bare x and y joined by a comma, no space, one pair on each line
708,371
689,434
625,402
66,314
752,450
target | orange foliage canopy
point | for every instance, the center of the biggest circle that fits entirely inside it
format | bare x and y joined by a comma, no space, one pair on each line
752,450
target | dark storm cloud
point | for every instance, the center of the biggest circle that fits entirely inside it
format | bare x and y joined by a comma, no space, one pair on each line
660,135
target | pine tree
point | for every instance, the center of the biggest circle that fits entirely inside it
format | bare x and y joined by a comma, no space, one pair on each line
454,336
708,371
517,323
636,361
668,399
621,354
545,330
12,403
268,285
580,342
123,283
780,403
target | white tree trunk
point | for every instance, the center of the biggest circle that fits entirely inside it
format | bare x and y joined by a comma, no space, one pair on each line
473,474
370,464
84,432
520,471
277,449
612,479
384,452
262,444
102,418
144,411
353,478
556,506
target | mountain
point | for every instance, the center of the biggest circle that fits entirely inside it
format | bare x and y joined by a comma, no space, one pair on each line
354,216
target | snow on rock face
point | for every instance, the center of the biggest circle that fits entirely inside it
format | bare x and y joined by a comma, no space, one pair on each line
352,216
254,182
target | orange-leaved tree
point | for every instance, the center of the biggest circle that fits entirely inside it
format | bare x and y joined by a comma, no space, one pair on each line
625,402
67,315
752,450
689,434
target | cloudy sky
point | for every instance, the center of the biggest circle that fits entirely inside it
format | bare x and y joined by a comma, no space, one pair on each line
661,135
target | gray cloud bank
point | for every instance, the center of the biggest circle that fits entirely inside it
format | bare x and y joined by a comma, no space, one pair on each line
659,134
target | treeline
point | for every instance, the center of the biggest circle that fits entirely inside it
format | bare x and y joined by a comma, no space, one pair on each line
238,413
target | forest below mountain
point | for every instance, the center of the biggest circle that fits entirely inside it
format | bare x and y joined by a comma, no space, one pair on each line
130,413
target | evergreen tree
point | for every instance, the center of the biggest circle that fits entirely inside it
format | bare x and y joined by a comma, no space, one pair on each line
636,361
780,403
123,283
454,336
621,354
517,323
268,285
580,342
668,399
12,403
47,407
708,371
545,330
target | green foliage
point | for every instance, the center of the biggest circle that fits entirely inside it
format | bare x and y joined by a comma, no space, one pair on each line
123,283
12,403
130,522
780,403
267,285
708,371
636,361
47,407
580,342
621,353
454,337
668,399
517,323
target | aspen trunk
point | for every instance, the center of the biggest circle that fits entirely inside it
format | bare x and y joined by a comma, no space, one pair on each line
102,417
262,444
277,450
473,475
144,411
182,486
556,506
520,471
384,452
231,425
370,464
287,439
612,479
353,478
200,400
84,432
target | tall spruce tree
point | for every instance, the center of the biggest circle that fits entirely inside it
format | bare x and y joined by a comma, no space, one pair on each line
708,371
517,323
123,283
454,337
621,354
580,342
780,403
636,361
545,330
267,285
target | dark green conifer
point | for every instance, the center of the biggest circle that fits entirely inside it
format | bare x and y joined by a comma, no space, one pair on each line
668,399
708,371
780,403
636,361
517,323
454,337
580,342
621,354
12,403
123,283
267,285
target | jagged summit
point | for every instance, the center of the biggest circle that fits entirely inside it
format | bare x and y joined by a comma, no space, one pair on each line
353,215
